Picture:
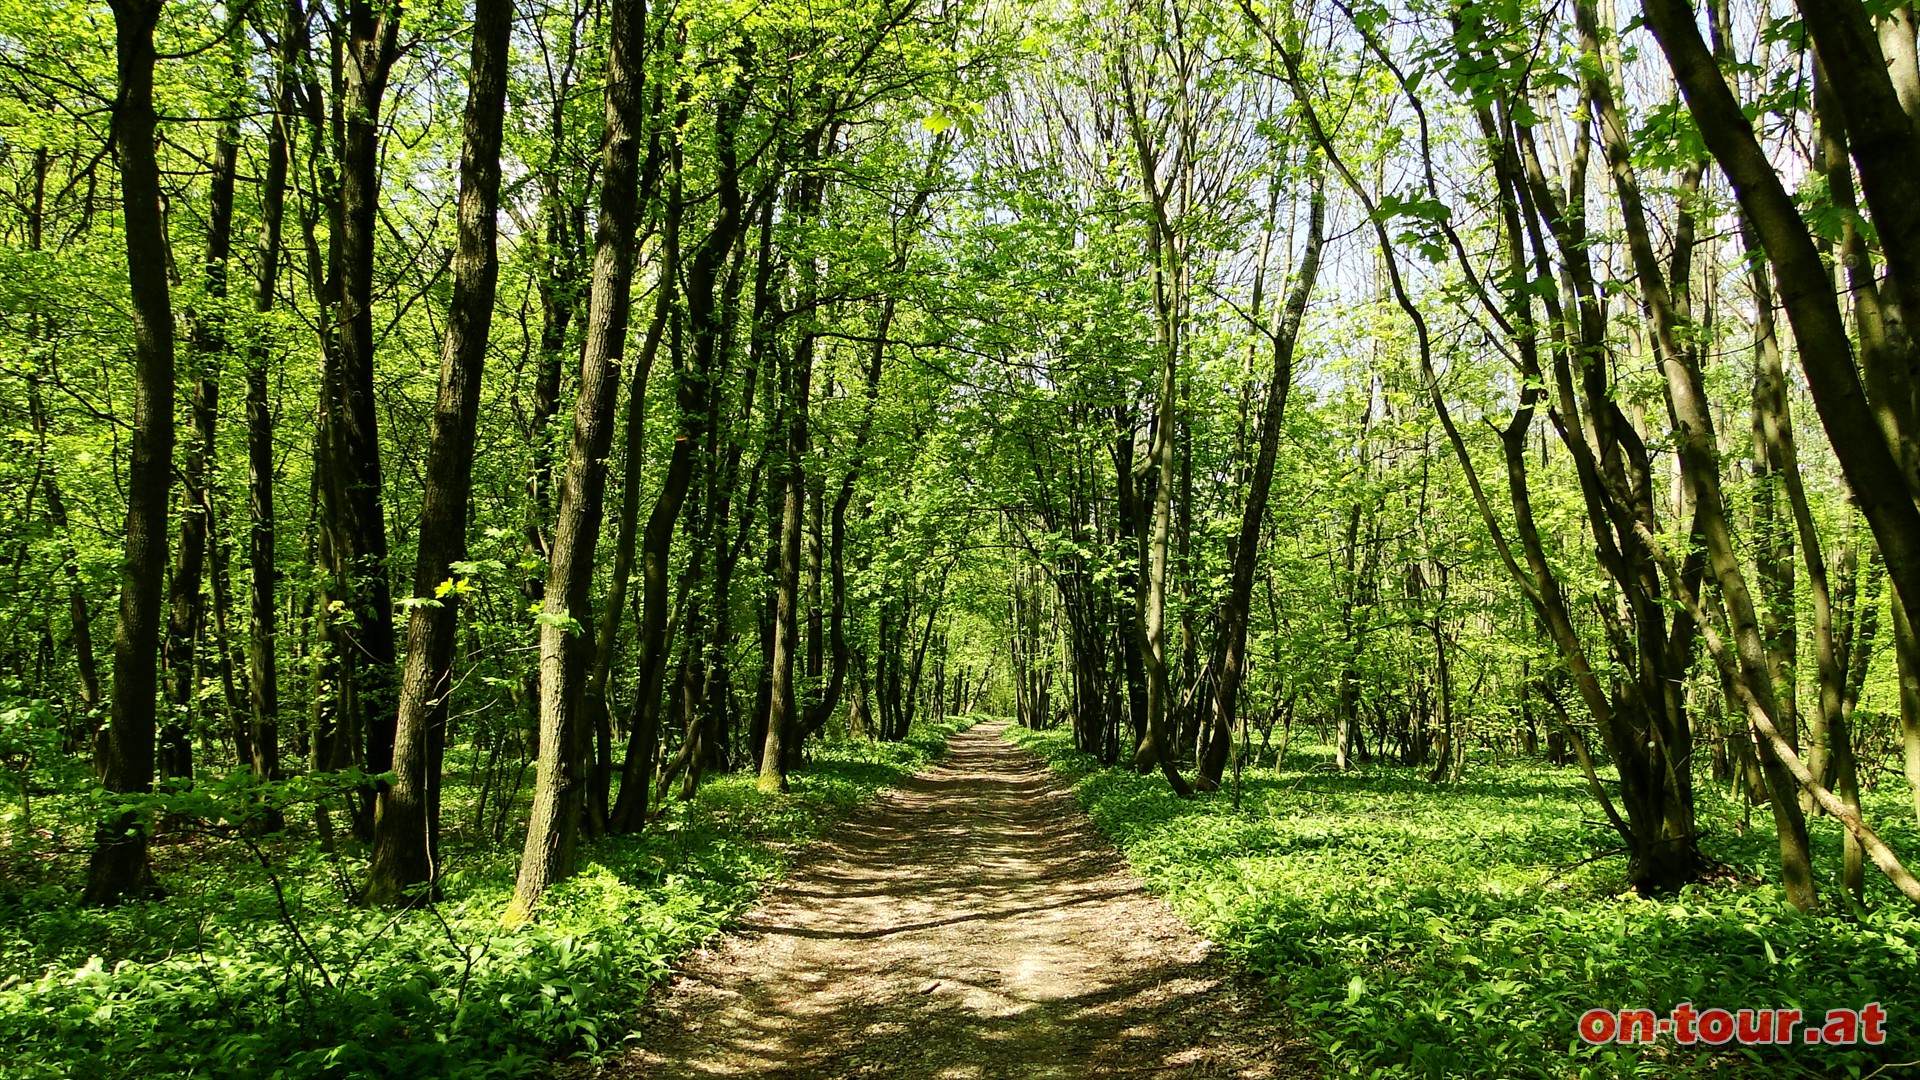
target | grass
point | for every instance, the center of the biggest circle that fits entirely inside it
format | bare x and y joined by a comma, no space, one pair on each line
1460,930
216,981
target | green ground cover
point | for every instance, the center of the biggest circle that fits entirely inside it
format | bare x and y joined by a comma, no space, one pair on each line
215,981
1455,930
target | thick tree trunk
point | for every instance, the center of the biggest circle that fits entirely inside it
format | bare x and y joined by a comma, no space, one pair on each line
356,522
560,781
119,868
407,829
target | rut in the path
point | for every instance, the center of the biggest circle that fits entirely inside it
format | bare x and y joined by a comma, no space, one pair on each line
971,924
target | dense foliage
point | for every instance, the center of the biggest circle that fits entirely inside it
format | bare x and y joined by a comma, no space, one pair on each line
449,430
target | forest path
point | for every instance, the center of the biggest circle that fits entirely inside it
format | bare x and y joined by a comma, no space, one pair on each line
972,924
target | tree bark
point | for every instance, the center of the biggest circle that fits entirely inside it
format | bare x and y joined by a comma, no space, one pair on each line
119,868
354,514
559,786
1236,607
407,826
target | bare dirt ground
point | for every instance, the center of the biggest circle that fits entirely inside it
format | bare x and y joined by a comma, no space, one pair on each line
972,924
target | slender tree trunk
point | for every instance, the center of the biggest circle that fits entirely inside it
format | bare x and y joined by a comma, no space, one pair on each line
186,601
79,611
1155,563
1235,609
263,684
1152,624
1131,518
594,699
815,552
707,325
783,705
796,382
1906,651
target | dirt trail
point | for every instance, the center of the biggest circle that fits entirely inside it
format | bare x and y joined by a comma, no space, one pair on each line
972,924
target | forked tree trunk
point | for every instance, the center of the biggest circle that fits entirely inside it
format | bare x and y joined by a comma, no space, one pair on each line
1666,298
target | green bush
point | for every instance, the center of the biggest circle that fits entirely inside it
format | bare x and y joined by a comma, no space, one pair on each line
1422,930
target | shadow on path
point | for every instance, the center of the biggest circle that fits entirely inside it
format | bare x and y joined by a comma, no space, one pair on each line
972,924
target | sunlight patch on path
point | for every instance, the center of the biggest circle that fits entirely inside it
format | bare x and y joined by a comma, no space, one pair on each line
970,925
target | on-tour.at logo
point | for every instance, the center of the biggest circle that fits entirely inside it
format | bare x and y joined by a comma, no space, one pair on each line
1688,1026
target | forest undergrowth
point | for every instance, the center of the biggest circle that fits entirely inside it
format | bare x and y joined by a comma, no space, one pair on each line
219,979
1415,929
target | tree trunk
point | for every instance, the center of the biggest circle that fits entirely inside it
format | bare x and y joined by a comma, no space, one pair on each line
784,714
783,705
1236,607
407,828
1666,298
186,602
79,611
356,522
263,684
707,325
594,699
559,784
119,868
